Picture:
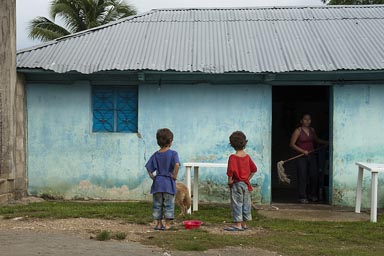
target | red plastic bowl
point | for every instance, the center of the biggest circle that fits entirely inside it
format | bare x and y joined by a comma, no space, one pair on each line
191,224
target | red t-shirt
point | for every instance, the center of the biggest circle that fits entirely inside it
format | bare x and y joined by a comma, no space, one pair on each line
239,168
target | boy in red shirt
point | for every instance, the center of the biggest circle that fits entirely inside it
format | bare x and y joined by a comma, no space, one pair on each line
240,170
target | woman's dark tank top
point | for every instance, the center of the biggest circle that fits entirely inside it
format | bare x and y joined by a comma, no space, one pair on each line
305,141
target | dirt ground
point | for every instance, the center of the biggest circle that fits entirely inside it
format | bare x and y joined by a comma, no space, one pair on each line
20,237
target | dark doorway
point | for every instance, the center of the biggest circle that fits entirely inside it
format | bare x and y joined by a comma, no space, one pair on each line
288,103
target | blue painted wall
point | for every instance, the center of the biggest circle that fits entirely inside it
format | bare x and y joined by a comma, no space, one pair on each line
66,159
358,122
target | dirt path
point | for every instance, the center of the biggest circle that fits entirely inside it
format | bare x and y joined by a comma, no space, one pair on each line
20,237
31,243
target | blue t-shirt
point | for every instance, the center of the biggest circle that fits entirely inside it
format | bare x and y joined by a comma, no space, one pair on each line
163,163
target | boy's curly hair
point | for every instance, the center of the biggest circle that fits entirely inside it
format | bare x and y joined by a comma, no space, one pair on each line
238,140
164,137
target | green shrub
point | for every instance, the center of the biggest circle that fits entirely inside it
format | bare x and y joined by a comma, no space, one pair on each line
103,235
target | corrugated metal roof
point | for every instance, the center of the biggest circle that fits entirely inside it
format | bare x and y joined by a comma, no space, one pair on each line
220,40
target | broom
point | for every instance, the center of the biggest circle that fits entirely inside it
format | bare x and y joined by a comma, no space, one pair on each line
280,167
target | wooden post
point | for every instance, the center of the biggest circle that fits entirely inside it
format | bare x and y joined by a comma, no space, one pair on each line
7,98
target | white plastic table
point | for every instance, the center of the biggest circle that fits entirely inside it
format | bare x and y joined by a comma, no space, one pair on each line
196,166
374,168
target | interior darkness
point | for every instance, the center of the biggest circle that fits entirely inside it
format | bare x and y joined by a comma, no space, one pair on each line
288,103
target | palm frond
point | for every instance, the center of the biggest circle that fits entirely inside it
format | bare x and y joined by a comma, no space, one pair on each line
117,10
71,12
44,29
78,15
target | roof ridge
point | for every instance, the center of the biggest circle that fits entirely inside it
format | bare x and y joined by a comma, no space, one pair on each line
273,7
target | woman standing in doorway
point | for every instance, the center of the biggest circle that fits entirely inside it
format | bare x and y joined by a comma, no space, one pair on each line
303,140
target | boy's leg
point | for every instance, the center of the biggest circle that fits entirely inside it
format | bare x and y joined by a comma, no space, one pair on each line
237,194
169,209
247,207
157,208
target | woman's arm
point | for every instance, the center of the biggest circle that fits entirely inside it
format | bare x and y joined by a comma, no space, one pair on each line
317,139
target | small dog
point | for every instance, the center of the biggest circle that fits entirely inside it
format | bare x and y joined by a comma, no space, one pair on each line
182,199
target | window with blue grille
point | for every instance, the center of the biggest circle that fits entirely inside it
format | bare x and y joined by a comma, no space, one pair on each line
114,109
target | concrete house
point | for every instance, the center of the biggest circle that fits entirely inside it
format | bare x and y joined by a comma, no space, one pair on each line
95,99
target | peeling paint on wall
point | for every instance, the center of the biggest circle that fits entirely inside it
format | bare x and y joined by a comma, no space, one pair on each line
358,121
66,159
202,116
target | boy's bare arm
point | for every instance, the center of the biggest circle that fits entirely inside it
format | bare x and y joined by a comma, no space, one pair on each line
230,180
176,171
150,174
251,175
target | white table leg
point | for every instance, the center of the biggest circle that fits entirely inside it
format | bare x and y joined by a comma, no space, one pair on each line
374,197
188,180
358,190
196,188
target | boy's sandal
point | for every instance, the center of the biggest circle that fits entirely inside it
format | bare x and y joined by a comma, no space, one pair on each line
159,228
245,228
233,228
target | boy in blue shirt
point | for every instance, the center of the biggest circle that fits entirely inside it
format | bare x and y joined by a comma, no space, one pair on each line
163,167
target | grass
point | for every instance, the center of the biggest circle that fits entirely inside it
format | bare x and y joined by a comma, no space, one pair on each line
119,236
105,235
62,210
288,237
